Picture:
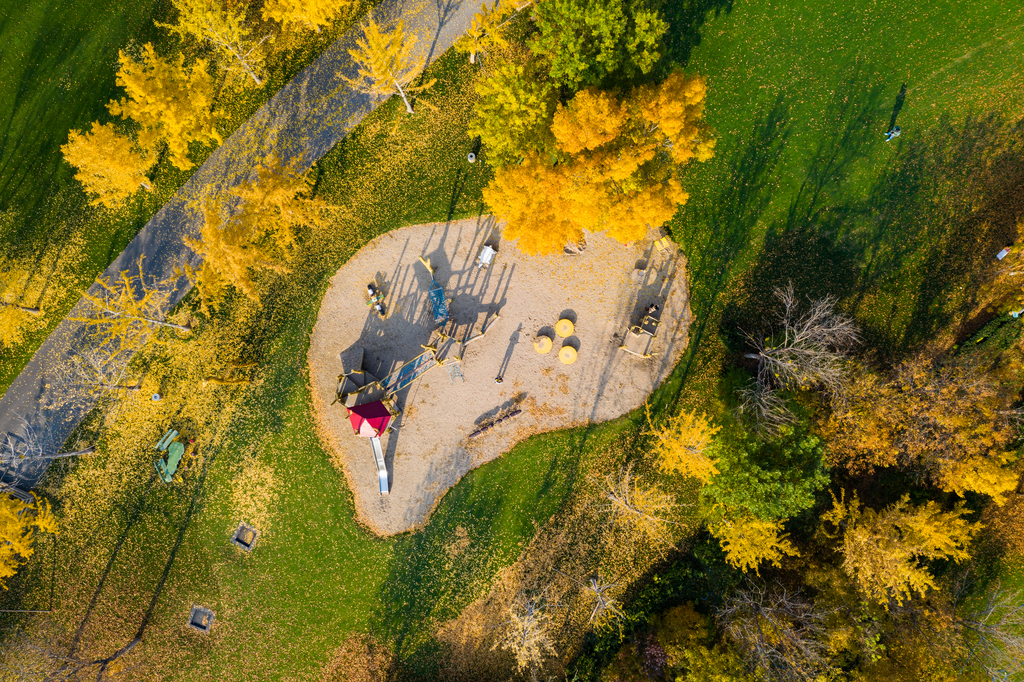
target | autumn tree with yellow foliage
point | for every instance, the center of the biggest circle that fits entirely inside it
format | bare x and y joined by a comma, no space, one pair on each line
614,167
882,551
171,103
109,165
386,63
640,510
260,234
948,420
682,445
222,25
124,312
749,541
20,522
305,14
488,27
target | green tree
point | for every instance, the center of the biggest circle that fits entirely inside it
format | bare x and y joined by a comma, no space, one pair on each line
768,479
883,551
514,111
586,41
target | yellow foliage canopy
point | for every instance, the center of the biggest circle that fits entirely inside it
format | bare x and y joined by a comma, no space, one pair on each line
882,550
749,541
682,443
307,14
108,165
944,420
592,119
528,197
222,25
19,523
616,167
262,234
385,62
171,103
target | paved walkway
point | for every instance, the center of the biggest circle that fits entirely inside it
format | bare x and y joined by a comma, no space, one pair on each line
304,120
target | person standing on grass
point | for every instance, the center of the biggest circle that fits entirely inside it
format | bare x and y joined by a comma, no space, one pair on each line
893,134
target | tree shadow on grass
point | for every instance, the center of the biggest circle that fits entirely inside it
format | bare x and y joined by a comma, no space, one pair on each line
721,227
498,511
686,18
935,220
908,258
807,247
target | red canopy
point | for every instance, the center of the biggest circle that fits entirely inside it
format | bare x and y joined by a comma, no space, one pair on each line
369,420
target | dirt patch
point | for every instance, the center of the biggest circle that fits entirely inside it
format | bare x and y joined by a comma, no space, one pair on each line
516,297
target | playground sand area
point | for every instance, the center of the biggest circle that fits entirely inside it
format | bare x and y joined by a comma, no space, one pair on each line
603,289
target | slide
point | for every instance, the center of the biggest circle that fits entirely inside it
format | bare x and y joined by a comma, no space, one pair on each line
382,470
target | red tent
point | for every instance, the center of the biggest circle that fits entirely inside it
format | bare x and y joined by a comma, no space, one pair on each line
369,420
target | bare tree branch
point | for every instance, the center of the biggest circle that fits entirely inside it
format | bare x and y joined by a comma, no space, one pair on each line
781,634
808,352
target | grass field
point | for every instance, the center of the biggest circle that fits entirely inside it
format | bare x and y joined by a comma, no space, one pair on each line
803,188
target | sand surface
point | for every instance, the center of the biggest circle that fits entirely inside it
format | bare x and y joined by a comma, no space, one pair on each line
604,289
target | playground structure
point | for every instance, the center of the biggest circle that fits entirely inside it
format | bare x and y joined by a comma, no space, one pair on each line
370,402
639,339
431,447
438,299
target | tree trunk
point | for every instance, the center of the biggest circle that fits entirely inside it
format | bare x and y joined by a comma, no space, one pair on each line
179,327
85,451
32,311
408,107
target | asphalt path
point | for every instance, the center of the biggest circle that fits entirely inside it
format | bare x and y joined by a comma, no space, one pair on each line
303,121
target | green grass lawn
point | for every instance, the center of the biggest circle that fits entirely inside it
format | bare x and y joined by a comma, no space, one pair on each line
803,187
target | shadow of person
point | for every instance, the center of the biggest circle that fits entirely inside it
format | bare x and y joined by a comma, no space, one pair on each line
512,341
897,106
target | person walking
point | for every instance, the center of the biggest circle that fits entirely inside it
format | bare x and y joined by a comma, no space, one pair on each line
893,134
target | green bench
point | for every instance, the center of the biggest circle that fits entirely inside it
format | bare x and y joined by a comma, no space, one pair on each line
167,466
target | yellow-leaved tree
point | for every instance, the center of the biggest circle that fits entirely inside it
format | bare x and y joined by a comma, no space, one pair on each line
682,445
171,103
487,28
949,421
126,310
883,551
19,523
222,25
15,317
641,511
109,165
615,166
310,15
749,541
261,234
385,62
